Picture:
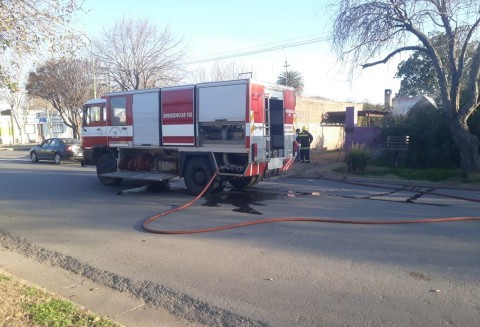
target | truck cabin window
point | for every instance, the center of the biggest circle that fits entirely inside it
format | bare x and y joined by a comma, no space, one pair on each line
94,114
118,111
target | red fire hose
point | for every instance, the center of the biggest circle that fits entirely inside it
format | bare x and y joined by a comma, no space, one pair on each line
280,220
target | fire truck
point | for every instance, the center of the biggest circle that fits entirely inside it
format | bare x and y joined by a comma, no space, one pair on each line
239,129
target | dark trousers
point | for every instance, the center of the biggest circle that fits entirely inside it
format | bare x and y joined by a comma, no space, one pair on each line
305,154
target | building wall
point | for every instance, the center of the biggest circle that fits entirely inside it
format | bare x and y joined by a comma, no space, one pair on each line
39,125
368,136
309,113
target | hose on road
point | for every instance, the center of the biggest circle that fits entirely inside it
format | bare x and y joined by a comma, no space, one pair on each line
281,220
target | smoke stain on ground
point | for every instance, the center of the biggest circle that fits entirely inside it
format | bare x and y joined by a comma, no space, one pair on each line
242,200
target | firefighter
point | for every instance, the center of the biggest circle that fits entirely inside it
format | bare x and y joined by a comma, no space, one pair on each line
296,147
305,139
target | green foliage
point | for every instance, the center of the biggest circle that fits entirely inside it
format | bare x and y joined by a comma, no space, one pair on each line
357,157
291,78
59,313
55,313
30,291
427,174
3,277
418,76
431,144
474,123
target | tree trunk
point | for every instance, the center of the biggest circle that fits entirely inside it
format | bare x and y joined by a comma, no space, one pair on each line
467,145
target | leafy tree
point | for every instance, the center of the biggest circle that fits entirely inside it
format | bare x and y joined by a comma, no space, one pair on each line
418,76
137,55
364,30
291,78
418,72
26,24
66,85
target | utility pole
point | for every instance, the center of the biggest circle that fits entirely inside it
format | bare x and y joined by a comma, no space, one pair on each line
286,73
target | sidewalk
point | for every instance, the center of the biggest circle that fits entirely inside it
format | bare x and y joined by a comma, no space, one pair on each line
16,147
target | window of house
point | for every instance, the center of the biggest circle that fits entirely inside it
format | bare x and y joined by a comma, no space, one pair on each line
57,128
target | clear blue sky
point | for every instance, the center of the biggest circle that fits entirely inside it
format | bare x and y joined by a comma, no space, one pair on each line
211,27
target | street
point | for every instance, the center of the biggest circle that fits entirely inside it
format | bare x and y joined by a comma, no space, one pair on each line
282,274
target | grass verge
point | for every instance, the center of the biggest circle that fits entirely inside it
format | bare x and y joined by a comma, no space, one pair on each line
24,304
426,174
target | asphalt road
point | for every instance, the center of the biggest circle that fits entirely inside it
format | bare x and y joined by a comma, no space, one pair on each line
285,274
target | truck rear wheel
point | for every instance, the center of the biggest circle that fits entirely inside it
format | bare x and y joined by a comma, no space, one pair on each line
107,164
198,173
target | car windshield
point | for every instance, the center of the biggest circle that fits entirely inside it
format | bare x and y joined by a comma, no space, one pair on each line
71,141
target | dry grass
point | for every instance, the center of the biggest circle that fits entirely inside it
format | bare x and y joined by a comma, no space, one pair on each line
23,304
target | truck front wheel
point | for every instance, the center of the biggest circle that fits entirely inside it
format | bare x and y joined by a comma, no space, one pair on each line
107,164
198,173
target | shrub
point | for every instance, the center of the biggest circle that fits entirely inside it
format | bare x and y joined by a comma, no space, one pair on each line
357,157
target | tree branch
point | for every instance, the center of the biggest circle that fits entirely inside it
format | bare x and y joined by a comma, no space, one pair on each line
387,58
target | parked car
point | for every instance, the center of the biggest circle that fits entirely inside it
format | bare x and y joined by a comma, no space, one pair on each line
57,150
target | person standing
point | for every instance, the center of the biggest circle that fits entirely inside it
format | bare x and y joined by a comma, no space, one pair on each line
304,139
297,146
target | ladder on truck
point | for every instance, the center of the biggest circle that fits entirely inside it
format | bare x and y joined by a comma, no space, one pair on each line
266,129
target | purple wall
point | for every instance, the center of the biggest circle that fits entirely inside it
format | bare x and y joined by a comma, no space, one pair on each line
359,135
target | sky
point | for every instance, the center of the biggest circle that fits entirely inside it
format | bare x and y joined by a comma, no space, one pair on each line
211,28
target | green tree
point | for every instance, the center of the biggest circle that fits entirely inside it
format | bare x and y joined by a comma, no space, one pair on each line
27,24
418,76
291,78
364,30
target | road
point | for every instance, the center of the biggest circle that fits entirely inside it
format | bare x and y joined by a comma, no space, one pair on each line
284,274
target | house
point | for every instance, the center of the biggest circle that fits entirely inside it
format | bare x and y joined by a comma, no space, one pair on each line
37,126
403,105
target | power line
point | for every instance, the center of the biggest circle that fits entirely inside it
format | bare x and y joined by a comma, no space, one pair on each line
228,55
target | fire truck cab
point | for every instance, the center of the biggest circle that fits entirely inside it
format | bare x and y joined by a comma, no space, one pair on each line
240,129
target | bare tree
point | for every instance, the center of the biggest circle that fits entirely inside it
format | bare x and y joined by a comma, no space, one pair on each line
66,85
365,30
26,24
14,95
18,102
136,55
218,71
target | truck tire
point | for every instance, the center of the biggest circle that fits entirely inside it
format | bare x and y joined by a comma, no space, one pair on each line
243,182
107,164
197,175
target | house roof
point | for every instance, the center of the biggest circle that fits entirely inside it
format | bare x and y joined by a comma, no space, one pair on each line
402,105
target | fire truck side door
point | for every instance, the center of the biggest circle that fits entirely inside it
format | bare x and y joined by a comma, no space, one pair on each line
94,129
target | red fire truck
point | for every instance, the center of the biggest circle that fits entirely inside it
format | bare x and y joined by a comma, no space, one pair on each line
240,129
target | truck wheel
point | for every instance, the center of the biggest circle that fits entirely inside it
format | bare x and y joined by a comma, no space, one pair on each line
243,182
107,164
197,175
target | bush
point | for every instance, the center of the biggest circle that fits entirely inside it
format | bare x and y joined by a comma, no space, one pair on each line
357,157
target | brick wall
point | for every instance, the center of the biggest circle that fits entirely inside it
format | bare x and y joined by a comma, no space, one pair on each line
309,112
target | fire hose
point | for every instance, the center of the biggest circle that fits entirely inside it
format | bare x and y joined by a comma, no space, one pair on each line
280,220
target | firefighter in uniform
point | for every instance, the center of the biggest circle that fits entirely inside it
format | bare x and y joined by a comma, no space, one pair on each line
304,139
